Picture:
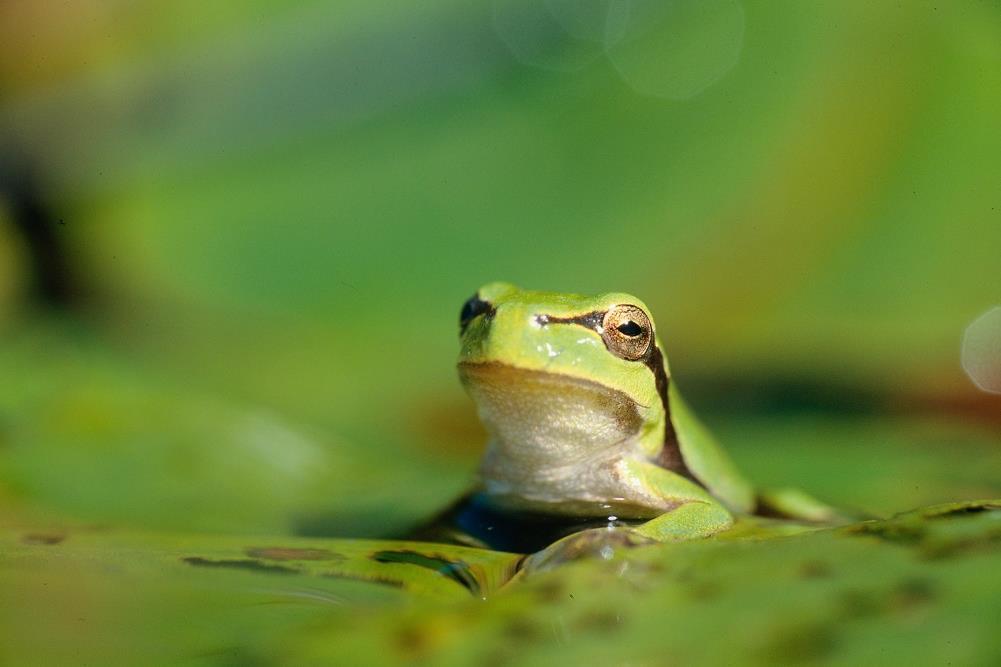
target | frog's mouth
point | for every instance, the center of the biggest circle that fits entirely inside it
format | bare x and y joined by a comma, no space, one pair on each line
544,423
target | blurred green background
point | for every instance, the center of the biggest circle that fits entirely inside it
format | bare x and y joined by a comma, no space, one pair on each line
234,239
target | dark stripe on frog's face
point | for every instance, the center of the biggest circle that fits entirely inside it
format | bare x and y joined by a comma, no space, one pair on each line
670,455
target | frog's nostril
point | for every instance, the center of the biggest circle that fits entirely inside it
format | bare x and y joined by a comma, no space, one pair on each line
473,307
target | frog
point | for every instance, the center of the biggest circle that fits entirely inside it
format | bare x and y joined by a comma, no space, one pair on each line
585,421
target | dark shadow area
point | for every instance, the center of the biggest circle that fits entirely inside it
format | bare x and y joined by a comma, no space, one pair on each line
474,521
764,393
52,278
768,394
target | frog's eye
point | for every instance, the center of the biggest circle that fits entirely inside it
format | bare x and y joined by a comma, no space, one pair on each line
627,332
474,306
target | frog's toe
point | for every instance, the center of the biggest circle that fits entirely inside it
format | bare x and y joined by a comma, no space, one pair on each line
692,520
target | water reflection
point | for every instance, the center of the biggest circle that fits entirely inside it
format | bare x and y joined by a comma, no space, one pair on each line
535,35
676,50
981,354
673,50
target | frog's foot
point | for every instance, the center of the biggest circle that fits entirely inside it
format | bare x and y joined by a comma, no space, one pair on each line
791,503
690,521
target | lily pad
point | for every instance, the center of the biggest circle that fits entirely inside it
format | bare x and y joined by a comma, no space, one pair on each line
914,588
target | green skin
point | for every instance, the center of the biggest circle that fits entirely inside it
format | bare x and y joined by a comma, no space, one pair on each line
576,429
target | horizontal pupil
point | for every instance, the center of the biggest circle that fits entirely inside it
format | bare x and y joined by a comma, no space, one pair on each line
630,328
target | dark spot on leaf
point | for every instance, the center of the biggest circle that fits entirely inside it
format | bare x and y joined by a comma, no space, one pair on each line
961,511
43,538
702,590
959,546
498,656
911,593
457,571
550,590
415,640
521,629
598,621
815,569
904,597
291,553
889,531
695,584
856,603
233,656
371,579
800,642
239,564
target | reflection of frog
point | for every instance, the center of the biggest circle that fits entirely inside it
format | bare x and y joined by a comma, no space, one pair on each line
585,422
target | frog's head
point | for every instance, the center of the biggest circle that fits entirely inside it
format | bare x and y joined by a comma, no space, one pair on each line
562,380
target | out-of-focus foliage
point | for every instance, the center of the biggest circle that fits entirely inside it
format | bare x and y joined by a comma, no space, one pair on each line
271,211
314,174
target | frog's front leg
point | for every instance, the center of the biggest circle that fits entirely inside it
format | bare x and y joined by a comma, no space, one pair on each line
689,521
694,514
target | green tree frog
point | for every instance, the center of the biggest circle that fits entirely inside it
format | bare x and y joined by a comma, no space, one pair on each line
585,422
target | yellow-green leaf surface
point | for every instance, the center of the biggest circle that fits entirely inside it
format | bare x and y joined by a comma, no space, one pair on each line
83,593
915,588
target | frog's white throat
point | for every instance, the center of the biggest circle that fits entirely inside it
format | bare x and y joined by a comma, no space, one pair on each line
556,441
